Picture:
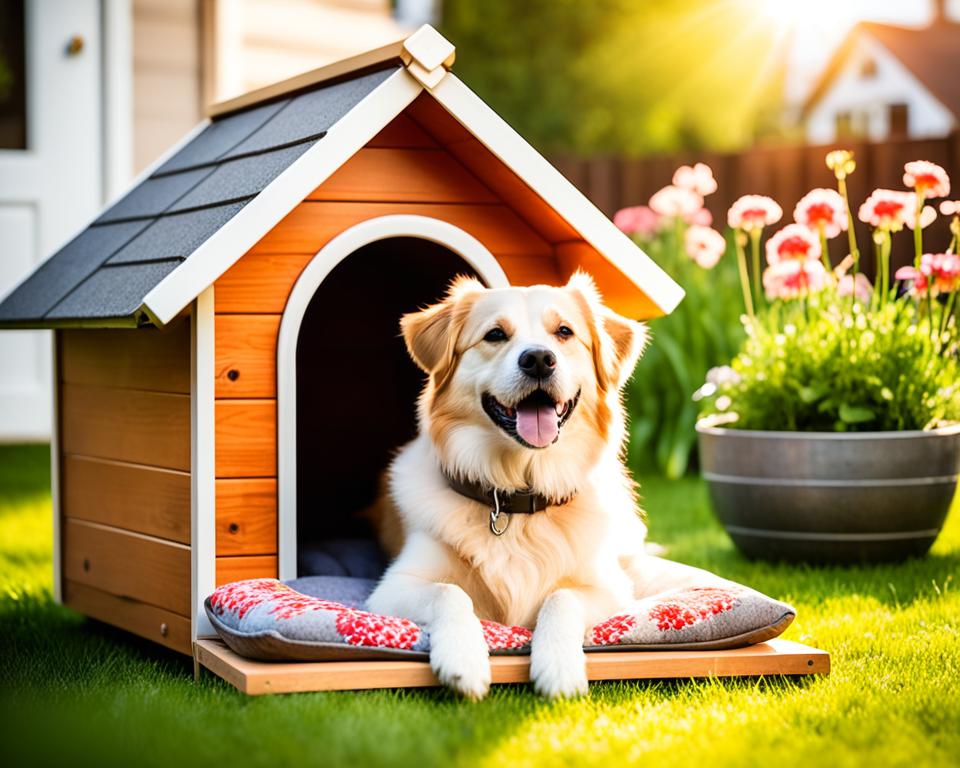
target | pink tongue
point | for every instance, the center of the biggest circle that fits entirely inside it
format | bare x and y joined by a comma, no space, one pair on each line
538,425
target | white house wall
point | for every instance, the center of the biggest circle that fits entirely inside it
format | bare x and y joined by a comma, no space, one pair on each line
869,98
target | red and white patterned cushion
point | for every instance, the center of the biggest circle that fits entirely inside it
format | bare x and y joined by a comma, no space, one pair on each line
265,618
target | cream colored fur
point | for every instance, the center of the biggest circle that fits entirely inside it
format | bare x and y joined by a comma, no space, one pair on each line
557,572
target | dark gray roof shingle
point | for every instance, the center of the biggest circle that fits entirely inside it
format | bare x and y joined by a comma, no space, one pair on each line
108,269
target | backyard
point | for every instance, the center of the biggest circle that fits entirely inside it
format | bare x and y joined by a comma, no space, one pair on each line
75,691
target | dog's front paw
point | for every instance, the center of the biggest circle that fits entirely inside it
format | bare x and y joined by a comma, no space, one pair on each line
559,673
460,659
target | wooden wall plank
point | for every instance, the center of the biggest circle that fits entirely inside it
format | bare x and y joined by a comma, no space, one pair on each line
239,568
402,131
311,225
145,358
259,282
246,438
127,425
618,292
403,175
530,270
247,516
246,355
128,565
164,627
136,498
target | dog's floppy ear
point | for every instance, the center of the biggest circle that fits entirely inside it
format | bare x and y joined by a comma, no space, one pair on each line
431,334
616,341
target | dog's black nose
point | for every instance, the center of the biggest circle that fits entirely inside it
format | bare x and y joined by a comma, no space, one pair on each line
537,362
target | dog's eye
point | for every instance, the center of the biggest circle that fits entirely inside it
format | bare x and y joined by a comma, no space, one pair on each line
495,334
564,332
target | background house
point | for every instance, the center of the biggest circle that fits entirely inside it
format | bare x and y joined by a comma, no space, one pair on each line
91,91
887,81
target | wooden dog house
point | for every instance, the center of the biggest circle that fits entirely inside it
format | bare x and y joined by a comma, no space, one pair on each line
196,318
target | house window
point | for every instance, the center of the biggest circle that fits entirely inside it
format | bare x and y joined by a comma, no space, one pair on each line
868,68
844,121
899,120
13,75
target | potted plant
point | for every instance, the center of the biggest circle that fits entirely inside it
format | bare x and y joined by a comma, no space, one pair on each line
834,434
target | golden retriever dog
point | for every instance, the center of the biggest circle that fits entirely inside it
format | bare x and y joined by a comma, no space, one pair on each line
513,504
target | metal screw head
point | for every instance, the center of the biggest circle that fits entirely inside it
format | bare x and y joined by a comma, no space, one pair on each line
233,374
86,564
164,629
75,45
233,528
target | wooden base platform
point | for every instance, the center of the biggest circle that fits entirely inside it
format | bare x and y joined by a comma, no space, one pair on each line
775,657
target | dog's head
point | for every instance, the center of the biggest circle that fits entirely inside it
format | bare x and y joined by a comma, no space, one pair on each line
524,383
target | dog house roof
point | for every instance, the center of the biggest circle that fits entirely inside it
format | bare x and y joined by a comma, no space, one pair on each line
193,214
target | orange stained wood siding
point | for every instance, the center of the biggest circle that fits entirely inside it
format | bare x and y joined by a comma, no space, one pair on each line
403,132
126,564
247,516
246,355
239,568
134,497
246,438
619,293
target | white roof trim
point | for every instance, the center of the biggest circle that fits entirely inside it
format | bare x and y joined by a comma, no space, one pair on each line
225,247
351,133
513,150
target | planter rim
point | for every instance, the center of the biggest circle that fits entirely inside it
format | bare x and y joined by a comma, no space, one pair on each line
953,429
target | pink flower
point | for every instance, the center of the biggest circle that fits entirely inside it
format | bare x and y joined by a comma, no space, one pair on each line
703,217
638,220
950,207
888,209
794,278
752,212
699,179
676,202
927,216
704,245
939,270
822,208
794,241
860,288
928,179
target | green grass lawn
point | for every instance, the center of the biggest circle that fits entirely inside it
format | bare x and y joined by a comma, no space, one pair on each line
74,692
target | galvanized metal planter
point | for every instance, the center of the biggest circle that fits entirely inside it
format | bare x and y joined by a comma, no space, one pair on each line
831,497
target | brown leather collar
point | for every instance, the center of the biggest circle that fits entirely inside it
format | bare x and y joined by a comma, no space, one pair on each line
523,502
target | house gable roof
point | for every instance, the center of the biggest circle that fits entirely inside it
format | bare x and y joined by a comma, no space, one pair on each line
930,53
204,205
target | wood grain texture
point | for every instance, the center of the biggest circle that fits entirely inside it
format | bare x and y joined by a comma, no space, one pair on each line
246,355
775,657
247,516
619,293
402,131
142,358
259,282
403,175
239,568
139,427
128,565
246,438
129,496
164,627
310,225
531,270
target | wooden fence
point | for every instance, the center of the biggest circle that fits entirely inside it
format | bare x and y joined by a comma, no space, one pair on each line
785,173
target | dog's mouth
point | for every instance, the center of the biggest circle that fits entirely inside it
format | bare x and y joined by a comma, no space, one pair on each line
534,421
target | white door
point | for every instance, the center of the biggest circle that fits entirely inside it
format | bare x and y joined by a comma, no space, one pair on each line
51,171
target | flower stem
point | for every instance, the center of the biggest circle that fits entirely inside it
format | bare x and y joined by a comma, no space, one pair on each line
851,233
755,254
744,277
918,232
884,277
824,253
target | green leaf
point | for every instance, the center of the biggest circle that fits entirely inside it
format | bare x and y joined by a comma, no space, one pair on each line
812,394
855,414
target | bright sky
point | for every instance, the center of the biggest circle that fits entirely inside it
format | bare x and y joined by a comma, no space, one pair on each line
819,26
